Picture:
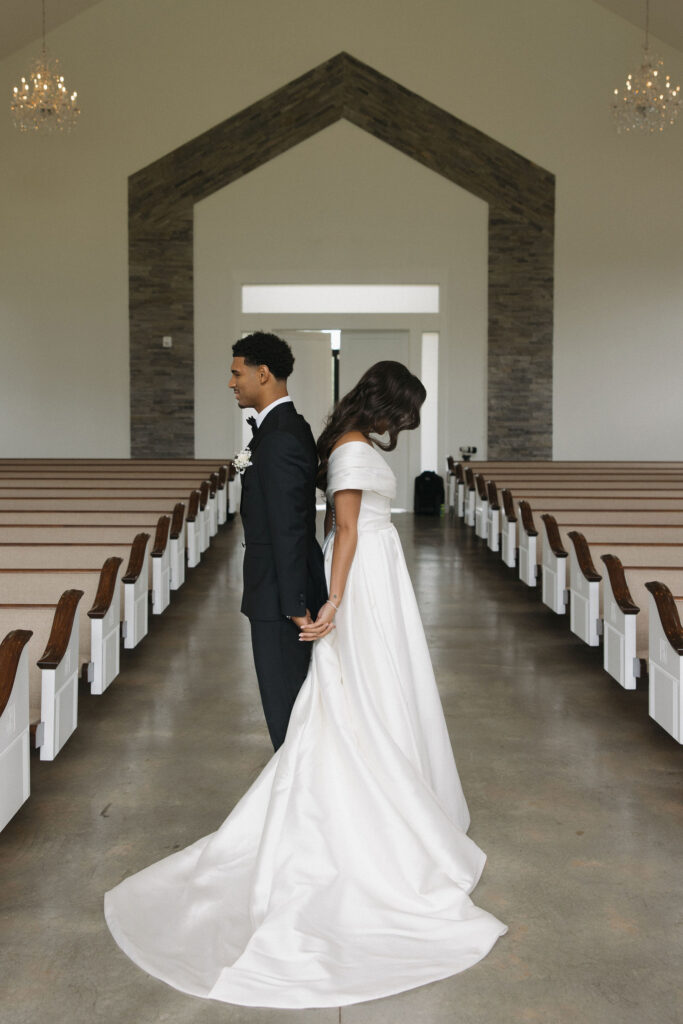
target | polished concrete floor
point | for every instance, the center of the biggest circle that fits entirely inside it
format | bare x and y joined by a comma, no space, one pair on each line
574,795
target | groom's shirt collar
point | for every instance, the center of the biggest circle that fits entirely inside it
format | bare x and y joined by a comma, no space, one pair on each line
260,416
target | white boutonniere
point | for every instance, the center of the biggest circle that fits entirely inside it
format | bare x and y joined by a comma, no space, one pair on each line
242,460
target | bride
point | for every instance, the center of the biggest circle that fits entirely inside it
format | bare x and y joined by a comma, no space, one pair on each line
344,871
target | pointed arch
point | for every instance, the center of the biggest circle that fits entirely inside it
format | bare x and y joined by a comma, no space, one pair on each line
521,200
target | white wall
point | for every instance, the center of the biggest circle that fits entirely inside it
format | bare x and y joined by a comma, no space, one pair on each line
535,74
342,207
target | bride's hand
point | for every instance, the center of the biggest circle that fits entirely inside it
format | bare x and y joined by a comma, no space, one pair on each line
323,625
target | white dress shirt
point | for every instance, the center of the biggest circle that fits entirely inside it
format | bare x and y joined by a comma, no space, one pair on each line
260,416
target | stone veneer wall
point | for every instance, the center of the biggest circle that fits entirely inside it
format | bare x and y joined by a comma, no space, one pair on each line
521,198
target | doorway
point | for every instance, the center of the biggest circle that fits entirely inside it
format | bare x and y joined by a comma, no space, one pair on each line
323,359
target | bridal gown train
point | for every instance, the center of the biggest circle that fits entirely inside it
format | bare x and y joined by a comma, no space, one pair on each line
343,873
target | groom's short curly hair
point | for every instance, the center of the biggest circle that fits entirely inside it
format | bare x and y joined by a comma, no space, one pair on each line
262,349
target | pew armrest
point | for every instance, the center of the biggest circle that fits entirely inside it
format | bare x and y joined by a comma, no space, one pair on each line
527,518
10,653
60,634
553,535
106,588
137,558
494,503
177,520
617,579
668,615
193,506
508,505
161,536
583,556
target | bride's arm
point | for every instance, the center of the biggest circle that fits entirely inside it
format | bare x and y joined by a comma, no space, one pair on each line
346,510
328,520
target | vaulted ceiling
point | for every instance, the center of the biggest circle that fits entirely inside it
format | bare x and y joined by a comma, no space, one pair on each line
20,19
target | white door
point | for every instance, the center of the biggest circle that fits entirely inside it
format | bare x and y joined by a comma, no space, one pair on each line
310,384
359,351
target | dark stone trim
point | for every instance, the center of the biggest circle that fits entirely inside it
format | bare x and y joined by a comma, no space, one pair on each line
521,199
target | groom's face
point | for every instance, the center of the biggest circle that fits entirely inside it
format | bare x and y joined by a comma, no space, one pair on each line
245,383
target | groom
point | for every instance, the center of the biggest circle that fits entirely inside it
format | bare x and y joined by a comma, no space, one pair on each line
284,579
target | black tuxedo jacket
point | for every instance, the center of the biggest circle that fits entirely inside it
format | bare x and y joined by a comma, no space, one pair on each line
283,563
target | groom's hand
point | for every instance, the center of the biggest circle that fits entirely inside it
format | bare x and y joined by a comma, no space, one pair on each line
323,625
302,620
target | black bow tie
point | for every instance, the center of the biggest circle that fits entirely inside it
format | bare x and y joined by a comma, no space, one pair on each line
251,420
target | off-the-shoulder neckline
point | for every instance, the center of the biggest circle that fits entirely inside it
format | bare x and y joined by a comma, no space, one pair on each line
346,443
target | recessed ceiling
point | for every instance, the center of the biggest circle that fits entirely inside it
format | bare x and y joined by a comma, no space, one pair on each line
20,20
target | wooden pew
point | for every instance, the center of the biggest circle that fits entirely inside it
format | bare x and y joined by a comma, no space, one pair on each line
470,496
611,612
155,476
625,612
569,466
100,613
665,658
632,524
101,625
508,531
49,684
460,487
493,519
585,549
52,677
97,533
451,482
63,551
15,775
530,553
549,488
481,506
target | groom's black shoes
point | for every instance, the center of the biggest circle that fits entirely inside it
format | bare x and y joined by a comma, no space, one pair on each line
283,563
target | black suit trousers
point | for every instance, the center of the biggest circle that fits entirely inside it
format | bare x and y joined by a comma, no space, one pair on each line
281,661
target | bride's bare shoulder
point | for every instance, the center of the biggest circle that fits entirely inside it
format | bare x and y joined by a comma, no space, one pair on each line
351,435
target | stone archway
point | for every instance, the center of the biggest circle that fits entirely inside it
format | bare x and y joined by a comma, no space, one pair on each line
521,199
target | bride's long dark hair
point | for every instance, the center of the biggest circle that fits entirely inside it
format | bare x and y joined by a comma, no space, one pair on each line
387,399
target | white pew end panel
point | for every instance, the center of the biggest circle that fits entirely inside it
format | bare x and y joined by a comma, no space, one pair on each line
508,537
665,659
620,613
135,593
161,567
584,592
59,685
528,537
105,629
194,548
493,519
177,547
553,568
15,772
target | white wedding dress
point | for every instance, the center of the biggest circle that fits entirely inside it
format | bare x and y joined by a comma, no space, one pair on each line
343,873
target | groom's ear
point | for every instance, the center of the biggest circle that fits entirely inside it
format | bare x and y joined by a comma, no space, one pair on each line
264,374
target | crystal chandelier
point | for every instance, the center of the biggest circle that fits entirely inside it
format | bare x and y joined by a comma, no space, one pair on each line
648,101
41,102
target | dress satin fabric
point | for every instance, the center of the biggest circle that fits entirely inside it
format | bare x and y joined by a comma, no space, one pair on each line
343,873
